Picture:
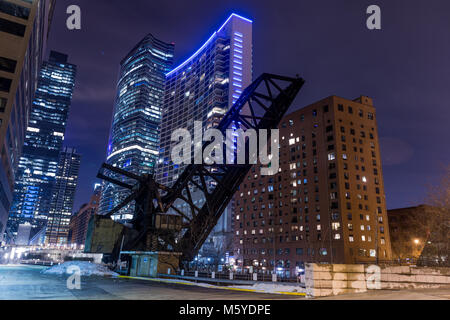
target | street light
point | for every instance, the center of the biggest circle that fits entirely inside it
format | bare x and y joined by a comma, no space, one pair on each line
416,241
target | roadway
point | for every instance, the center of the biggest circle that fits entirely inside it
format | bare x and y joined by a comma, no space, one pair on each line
27,283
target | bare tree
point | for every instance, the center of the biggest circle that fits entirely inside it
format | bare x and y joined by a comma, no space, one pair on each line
435,221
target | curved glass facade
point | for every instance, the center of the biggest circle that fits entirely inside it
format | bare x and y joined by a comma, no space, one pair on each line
134,137
203,88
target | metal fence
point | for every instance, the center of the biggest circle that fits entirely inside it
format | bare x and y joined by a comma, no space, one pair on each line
239,276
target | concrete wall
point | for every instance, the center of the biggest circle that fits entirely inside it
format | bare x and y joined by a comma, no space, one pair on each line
413,277
103,233
336,279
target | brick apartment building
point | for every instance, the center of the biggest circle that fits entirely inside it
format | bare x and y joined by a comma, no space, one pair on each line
79,222
327,202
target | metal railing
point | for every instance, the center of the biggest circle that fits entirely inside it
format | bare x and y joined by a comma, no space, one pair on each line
238,276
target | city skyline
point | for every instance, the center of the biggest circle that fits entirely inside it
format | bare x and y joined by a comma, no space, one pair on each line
38,168
405,137
237,150
25,31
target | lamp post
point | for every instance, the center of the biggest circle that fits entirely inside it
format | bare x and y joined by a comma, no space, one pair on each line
416,242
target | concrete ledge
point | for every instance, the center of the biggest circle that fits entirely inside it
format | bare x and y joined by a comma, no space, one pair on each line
323,280
357,268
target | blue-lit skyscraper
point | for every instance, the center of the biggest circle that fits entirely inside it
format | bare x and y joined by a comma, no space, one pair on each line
203,88
38,165
135,129
63,197
24,30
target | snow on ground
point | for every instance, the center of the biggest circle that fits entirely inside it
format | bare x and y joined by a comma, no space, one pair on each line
273,287
264,287
86,269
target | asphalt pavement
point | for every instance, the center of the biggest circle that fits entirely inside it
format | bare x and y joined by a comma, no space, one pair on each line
28,283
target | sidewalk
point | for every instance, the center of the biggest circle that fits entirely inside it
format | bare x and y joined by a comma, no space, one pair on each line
272,288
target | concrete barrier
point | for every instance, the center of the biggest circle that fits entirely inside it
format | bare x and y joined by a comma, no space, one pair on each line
336,279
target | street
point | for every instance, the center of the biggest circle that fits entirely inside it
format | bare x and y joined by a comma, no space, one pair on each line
27,283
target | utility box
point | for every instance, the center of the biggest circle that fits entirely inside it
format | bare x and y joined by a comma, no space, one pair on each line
102,235
150,264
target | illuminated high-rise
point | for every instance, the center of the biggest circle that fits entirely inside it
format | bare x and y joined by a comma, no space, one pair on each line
24,29
327,202
38,165
203,88
63,197
134,136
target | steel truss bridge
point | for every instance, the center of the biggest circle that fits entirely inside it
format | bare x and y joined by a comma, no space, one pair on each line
158,225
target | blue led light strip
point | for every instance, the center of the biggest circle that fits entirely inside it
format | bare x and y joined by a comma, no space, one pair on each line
207,42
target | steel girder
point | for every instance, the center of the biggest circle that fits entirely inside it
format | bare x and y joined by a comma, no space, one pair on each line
262,105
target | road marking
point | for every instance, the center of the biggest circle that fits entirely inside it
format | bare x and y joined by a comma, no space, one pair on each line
292,293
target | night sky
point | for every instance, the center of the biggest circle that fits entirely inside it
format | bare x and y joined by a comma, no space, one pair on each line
405,68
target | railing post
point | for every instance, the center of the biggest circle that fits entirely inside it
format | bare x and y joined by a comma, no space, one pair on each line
196,274
182,273
231,275
213,275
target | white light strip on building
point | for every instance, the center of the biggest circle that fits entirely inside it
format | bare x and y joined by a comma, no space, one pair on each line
131,148
207,42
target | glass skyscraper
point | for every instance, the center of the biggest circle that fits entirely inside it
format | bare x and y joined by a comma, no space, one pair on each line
135,129
63,197
38,165
24,28
203,88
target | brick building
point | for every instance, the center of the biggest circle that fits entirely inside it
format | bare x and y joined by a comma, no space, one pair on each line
327,203
79,223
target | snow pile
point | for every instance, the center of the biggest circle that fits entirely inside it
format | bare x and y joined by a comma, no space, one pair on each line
85,268
261,287
274,287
